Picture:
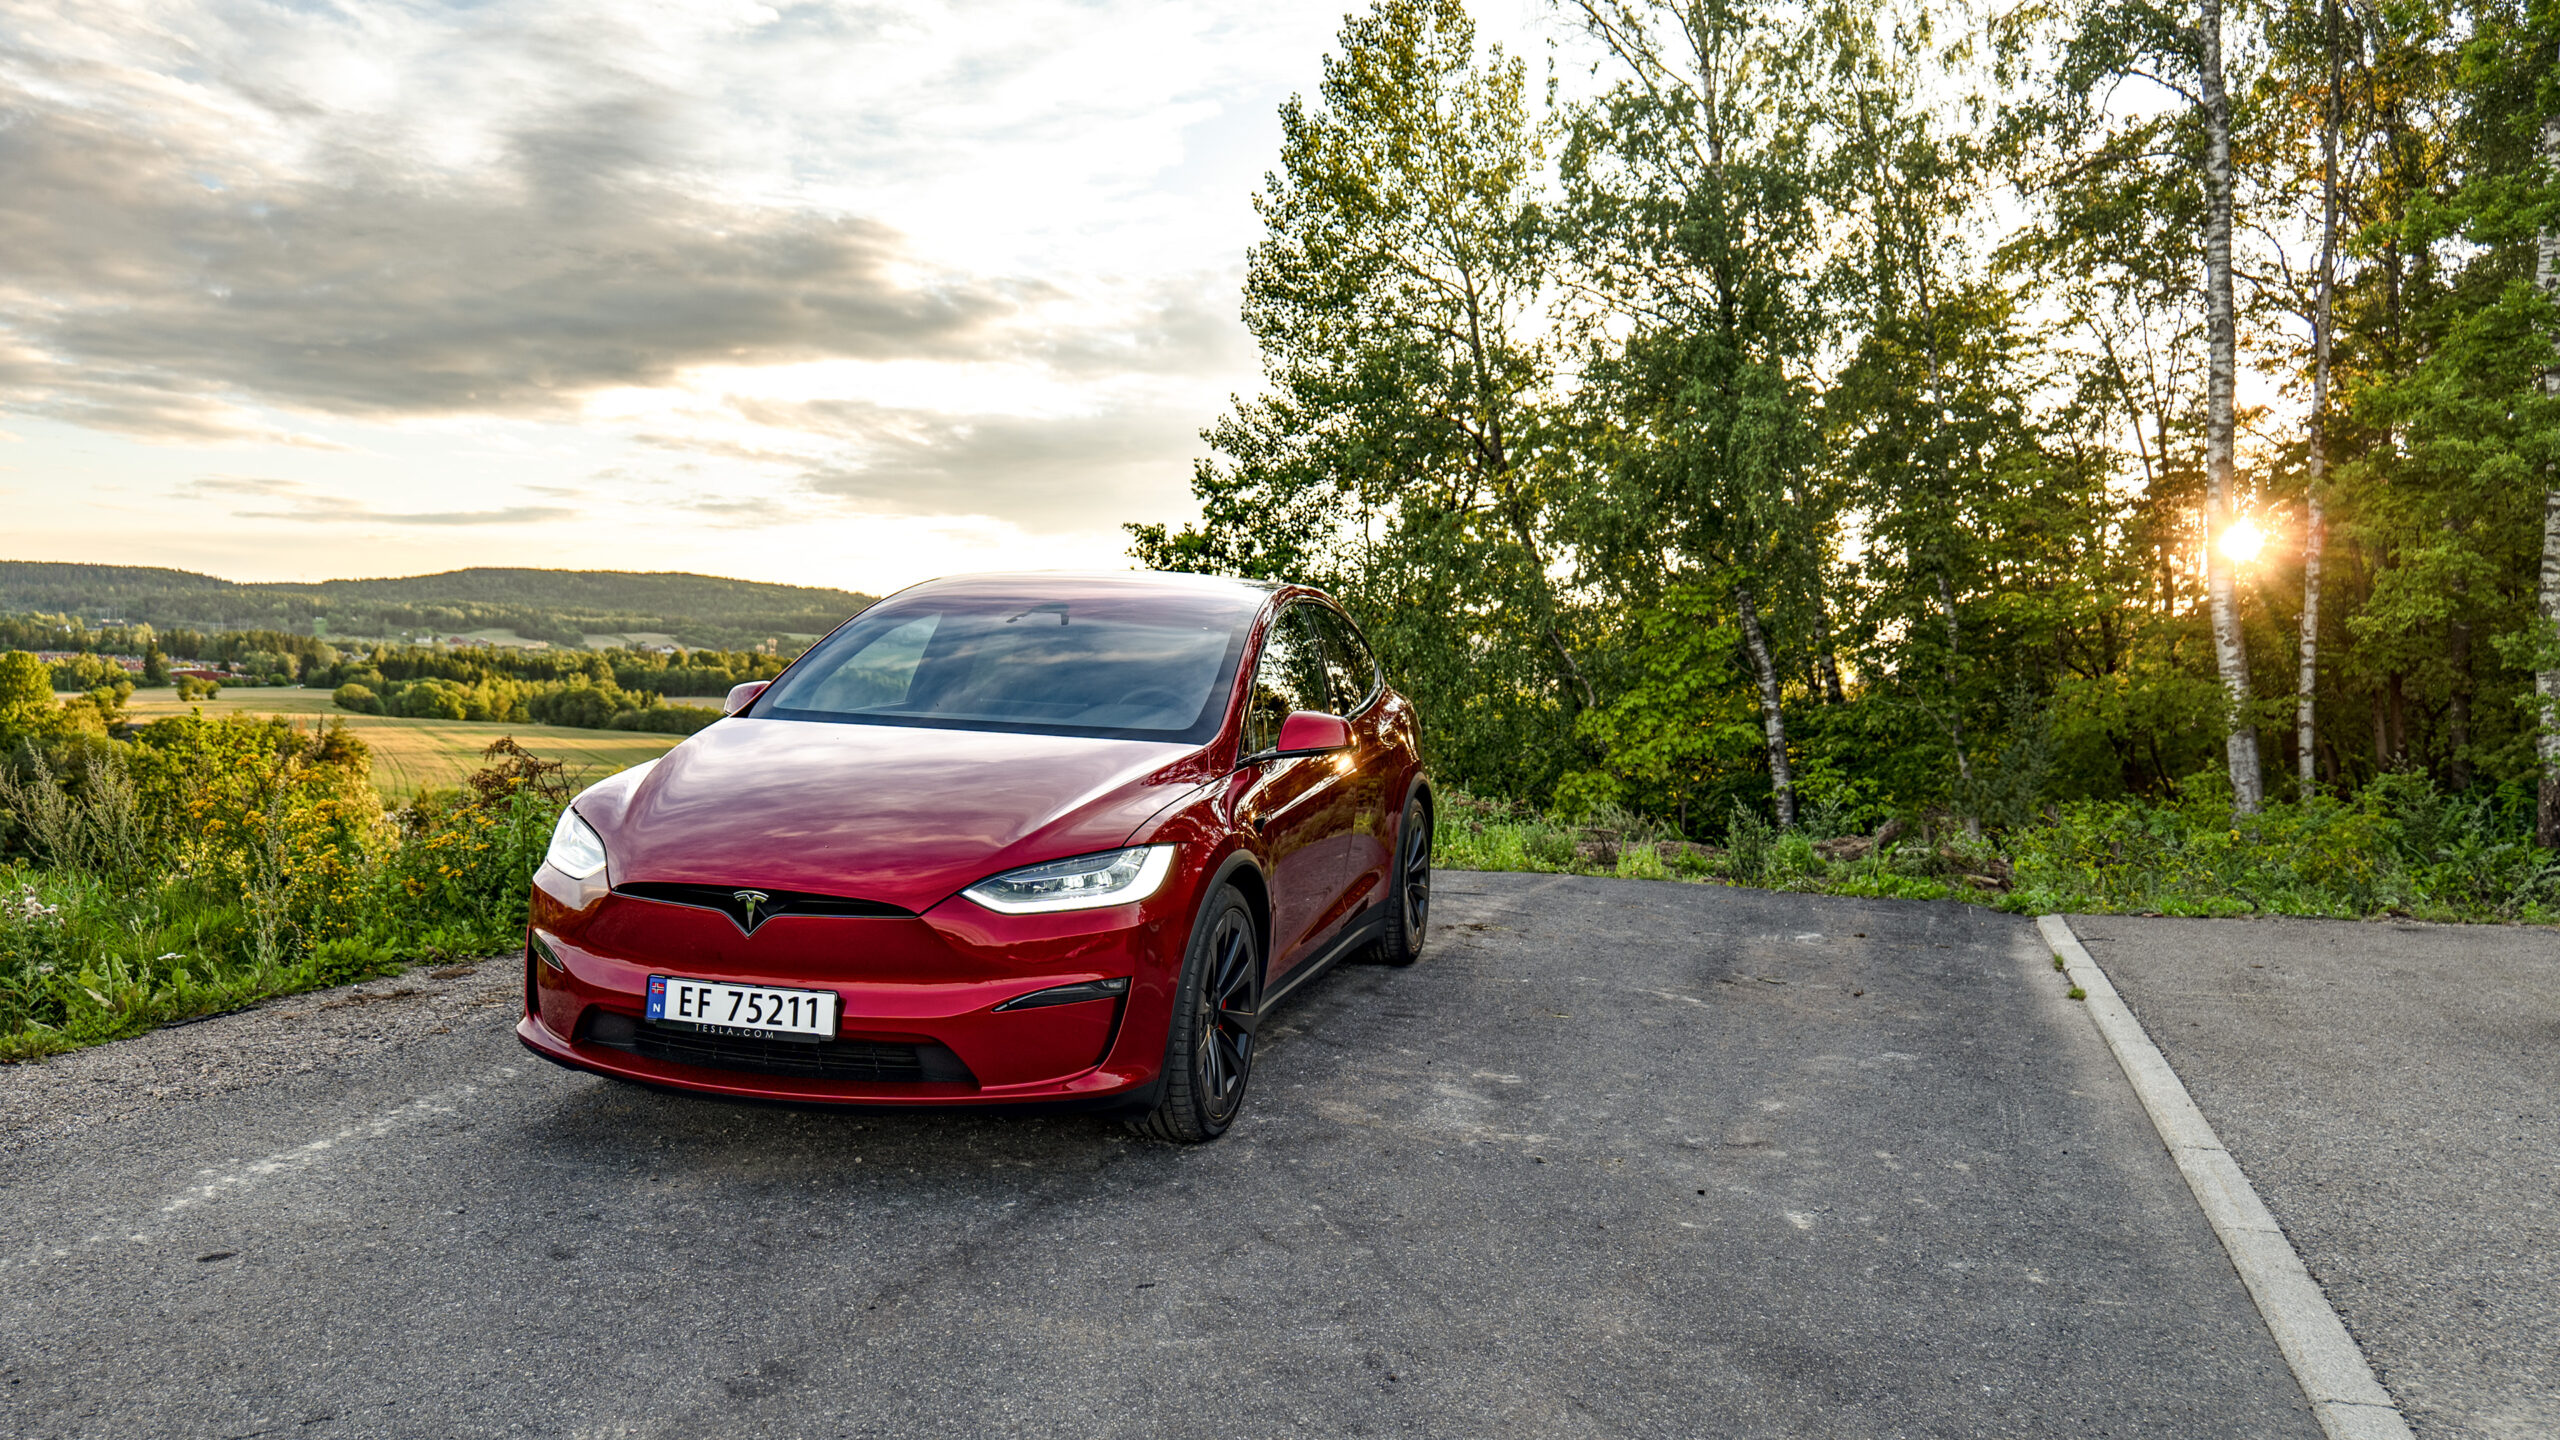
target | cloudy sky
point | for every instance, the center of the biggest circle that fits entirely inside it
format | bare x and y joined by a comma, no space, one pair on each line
834,293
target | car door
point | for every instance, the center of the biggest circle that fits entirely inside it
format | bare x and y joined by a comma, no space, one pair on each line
1296,807
1368,839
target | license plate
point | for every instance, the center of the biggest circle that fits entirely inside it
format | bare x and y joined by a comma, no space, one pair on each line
759,1012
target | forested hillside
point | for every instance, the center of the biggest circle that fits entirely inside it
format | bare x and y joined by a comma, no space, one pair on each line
1891,409
557,606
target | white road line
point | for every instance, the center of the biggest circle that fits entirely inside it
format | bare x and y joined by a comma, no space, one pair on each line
218,1185
2335,1377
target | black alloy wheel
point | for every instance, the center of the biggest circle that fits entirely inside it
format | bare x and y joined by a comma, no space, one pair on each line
1216,1006
1409,904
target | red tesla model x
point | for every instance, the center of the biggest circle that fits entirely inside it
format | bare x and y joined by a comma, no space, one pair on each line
999,838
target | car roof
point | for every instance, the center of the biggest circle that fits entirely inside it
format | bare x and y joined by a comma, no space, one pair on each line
1096,582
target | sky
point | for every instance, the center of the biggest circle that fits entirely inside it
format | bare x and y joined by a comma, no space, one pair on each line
836,294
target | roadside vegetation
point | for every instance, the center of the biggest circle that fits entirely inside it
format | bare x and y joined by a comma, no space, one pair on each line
2400,847
197,865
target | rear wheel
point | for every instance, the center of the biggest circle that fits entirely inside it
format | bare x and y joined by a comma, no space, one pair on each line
1209,1052
1409,888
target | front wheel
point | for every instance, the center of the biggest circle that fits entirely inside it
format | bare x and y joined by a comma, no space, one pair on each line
1409,888
1216,1004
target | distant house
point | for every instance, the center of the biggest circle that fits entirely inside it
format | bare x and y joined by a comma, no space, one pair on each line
198,672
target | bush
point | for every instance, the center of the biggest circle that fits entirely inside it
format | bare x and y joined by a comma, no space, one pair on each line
213,862
359,698
666,719
2399,847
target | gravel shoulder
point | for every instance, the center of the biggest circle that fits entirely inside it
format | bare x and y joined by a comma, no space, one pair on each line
2393,1091
1616,1159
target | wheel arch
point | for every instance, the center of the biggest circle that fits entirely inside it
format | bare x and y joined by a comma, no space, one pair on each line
1240,871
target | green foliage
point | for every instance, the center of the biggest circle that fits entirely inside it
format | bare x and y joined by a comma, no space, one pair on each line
211,863
2401,847
1833,378
1404,452
26,690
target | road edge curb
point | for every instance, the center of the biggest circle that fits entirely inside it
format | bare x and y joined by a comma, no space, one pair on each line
2346,1399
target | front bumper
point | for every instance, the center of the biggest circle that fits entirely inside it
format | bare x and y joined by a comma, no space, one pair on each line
924,986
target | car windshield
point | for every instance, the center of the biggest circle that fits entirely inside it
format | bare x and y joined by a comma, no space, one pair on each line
1140,666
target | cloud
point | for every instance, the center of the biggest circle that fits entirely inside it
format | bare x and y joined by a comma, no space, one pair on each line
733,263
297,502
1043,472
161,272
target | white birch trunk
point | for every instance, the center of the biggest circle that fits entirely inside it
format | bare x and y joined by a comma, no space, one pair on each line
2230,647
1773,718
2315,527
2546,682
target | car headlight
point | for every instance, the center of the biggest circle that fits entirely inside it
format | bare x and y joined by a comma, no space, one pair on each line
1087,882
576,850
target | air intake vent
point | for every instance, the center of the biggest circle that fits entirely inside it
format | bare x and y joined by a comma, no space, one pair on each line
858,1061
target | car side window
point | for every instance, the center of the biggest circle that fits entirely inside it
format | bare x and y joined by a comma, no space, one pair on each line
1354,671
1291,676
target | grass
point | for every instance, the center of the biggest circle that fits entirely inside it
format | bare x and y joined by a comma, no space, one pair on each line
412,756
214,865
2398,848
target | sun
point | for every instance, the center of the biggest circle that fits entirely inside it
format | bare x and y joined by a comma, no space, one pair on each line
2243,541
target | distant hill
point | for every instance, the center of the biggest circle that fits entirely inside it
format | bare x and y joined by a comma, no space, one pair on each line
561,606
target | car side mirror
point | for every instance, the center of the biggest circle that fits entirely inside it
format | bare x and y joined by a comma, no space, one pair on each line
1312,732
742,696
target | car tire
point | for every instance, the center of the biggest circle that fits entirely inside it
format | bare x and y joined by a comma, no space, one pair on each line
1408,896
1208,1052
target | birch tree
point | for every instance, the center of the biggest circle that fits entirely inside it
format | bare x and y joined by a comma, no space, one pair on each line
2221,420
1690,212
2546,679
2315,519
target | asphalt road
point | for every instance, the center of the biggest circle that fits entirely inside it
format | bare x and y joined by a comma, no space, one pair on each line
2393,1091
1618,1158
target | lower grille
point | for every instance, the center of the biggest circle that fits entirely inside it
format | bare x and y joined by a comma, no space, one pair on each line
867,1062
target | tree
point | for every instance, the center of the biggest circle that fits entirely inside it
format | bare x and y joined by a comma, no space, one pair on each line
2546,278
2221,421
26,687
1401,452
1690,194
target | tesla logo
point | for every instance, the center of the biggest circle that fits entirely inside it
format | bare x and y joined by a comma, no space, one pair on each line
748,900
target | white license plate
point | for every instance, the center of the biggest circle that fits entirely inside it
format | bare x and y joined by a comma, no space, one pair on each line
759,1011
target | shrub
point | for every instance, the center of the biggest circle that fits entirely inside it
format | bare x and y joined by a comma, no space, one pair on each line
666,719
213,862
359,698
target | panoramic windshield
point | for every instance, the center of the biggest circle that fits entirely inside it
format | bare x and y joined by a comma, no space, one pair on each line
1142,666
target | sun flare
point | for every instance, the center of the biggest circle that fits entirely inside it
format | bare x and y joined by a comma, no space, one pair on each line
2242,542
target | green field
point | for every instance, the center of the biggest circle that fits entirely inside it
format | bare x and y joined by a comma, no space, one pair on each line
414,755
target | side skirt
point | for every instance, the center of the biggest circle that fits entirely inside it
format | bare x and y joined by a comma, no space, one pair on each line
1362,929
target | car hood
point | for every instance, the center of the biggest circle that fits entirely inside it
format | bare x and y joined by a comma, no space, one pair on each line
892,813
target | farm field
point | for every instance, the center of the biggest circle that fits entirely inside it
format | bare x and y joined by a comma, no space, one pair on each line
414,755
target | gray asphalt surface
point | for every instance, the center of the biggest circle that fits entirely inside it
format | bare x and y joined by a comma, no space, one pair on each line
2393,1091
1617,1158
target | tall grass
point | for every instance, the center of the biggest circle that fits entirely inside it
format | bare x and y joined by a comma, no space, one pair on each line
2397,848
216,863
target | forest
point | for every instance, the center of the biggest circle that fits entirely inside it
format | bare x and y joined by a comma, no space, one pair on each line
558,607
2047,427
